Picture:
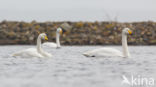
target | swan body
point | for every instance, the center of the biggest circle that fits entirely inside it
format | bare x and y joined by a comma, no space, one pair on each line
52,44
102,52
34,52
30,52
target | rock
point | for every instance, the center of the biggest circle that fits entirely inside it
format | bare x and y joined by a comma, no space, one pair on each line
66,26
78,33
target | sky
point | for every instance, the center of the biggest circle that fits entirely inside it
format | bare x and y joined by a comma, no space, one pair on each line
78,10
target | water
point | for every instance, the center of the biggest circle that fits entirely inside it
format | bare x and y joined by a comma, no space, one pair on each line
68,68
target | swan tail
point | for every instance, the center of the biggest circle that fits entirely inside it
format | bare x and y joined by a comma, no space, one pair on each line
86,54
15,54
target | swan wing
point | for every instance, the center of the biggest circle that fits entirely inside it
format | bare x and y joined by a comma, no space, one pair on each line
31,52
101,52
49,44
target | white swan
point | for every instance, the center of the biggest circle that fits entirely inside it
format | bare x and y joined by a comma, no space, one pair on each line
57,44
35,52
101,52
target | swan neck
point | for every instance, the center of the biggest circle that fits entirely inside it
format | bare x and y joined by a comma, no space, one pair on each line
124,45
39,49
58,39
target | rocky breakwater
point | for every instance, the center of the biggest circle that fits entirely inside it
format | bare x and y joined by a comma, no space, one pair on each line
78,33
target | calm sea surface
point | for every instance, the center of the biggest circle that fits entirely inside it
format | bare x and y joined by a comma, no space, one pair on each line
69,68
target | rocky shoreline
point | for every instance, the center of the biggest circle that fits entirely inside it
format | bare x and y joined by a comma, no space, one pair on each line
79,33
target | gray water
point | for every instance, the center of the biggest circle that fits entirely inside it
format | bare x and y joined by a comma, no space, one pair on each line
69,68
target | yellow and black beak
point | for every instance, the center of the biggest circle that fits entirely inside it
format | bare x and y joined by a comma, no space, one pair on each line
129,31
46,38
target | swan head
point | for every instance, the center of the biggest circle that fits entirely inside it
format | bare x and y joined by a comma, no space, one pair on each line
126,31
59,30
43,36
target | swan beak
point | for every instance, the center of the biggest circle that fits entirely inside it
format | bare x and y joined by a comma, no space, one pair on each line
129,31
46,38
61,31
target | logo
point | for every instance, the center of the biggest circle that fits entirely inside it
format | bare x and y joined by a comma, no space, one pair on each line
138,81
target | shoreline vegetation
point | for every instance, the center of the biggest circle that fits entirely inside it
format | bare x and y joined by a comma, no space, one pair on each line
77,33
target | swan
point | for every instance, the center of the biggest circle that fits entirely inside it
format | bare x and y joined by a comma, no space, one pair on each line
57,44
101,52
34,52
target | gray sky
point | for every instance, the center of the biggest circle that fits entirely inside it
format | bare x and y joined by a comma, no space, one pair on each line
78,10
